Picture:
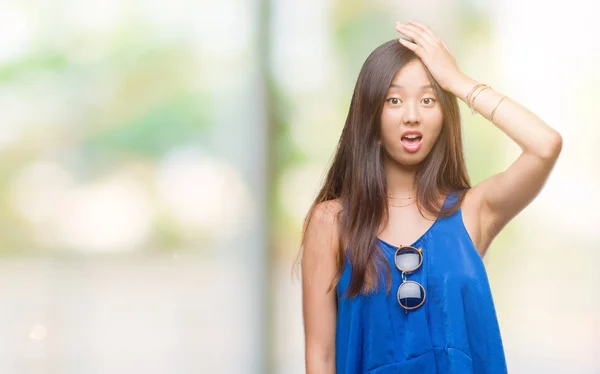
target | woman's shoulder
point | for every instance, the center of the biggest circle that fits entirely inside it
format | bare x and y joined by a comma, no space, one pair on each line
325,221
328,210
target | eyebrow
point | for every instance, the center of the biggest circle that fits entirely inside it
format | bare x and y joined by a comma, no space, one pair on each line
402,87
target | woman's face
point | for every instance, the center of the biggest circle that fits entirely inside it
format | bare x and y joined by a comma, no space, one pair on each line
412,118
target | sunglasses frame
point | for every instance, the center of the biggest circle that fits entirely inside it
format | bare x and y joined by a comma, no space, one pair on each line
404,272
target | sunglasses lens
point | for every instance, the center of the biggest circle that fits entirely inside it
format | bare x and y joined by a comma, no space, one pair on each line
411,294
407,259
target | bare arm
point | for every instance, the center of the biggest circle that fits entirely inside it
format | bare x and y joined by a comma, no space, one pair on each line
502,196
319,306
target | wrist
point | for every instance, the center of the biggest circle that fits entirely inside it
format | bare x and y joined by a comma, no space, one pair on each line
461,86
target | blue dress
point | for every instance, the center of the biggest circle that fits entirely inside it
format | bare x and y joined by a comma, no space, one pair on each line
455,331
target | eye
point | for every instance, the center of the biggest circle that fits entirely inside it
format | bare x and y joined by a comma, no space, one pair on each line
431,100
393,100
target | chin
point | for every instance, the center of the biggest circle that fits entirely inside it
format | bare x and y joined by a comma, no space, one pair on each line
411,162
410,159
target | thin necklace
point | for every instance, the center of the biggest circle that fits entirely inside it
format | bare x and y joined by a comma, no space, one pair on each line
393,197
399,206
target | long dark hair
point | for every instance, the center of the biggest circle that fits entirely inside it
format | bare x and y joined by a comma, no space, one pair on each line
356,179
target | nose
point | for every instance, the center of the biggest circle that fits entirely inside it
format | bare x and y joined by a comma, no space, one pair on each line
411,114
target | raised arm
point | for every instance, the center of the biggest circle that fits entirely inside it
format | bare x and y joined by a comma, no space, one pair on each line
502,196
319,307
496,200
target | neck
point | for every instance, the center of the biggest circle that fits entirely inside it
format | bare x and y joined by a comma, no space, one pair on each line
400,179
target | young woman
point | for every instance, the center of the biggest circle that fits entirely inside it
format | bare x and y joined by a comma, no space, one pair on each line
393,279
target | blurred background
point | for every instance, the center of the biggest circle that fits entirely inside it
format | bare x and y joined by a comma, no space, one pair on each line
158,158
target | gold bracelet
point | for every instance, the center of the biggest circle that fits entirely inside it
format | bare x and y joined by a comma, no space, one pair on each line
471,92
493,111
474,97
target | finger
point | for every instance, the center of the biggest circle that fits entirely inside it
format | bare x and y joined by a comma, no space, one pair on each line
412,46
425,29
413,33
432,40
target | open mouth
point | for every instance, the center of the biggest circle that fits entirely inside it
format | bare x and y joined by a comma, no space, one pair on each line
411,139
411,143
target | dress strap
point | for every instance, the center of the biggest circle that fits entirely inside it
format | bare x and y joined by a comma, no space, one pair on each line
452,196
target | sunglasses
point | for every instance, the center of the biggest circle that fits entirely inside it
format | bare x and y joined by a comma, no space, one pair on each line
411,294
